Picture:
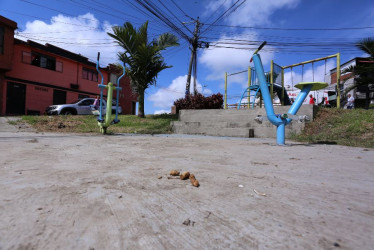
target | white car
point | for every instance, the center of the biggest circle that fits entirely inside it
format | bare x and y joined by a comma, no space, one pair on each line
80,107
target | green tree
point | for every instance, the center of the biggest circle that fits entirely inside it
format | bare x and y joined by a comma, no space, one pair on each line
364,71
142,58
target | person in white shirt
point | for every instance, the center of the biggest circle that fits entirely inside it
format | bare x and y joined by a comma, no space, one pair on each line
351,102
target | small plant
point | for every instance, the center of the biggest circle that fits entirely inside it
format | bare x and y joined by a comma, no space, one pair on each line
199,101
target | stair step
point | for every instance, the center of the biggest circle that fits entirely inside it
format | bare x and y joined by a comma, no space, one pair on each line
234,123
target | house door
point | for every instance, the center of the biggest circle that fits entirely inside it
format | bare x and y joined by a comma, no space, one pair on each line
15,98
59,97
133,108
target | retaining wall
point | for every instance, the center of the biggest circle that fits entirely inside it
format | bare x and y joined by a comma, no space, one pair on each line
236,123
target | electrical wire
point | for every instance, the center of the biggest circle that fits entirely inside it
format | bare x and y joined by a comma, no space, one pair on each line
290,29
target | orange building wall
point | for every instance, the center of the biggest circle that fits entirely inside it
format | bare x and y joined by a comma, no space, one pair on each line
68,76
37,97
342,77
6,58
40,82
127,97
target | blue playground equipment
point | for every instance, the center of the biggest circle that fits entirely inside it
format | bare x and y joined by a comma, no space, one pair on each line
104,124
281,120
254,89
250,92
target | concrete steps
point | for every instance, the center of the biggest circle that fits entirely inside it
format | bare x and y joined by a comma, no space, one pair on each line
235,123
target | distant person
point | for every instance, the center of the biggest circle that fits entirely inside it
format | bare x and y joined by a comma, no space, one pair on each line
327,101
351,102
96,103
322,103
95,106
311,99
292,101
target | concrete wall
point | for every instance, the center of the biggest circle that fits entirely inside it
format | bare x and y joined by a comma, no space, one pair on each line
236,123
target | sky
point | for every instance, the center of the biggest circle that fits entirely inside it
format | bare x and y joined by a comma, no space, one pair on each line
296,31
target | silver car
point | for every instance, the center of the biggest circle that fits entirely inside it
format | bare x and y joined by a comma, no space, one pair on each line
81,107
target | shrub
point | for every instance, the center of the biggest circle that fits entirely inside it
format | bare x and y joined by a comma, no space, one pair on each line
199,101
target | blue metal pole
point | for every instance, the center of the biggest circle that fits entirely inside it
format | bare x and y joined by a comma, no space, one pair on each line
100,119
281,131
300,99
118,89
273,118
265,91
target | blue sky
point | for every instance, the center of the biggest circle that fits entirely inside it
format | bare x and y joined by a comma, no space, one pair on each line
297,30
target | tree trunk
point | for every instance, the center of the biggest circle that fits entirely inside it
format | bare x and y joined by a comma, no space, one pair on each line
141,103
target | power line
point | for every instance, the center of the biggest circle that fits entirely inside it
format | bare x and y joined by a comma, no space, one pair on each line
175,16
181,9
40,18
150,7
59,11
295,29
219,7
225,14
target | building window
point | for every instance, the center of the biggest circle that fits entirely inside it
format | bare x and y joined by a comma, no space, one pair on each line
26,57
42,61
2,34
59,66
89,75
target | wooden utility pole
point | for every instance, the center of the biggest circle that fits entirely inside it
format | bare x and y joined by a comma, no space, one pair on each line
194,45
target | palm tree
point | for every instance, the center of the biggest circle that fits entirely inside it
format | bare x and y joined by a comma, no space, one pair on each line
143,60
364,72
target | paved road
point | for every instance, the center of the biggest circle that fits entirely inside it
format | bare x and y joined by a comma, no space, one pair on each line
69,191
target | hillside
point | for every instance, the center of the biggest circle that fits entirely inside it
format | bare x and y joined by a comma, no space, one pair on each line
341,126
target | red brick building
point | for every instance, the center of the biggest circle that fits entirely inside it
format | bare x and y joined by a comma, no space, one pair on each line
34,76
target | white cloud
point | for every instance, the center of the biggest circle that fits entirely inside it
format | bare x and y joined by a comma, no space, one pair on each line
83,35
165,97
252,12
221,60
162,111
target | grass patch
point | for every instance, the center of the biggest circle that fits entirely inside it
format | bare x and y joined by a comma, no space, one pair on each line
353,127
13,122
152,124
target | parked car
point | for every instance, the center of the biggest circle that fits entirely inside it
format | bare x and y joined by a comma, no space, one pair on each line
80,107
114,103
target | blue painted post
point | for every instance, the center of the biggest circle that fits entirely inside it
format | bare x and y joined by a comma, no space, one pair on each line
274,119
263,84
118,89
281,131
300,99
100,119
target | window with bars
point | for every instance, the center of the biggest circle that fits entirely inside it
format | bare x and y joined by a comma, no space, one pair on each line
42,61
89,75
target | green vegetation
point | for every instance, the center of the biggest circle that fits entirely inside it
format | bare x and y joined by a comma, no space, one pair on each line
353,127
142,58
13,122
151,124
363,71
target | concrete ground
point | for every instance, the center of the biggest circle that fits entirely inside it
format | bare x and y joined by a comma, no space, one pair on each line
65,191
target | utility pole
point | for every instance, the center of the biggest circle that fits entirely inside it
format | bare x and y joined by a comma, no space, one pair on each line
194,45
